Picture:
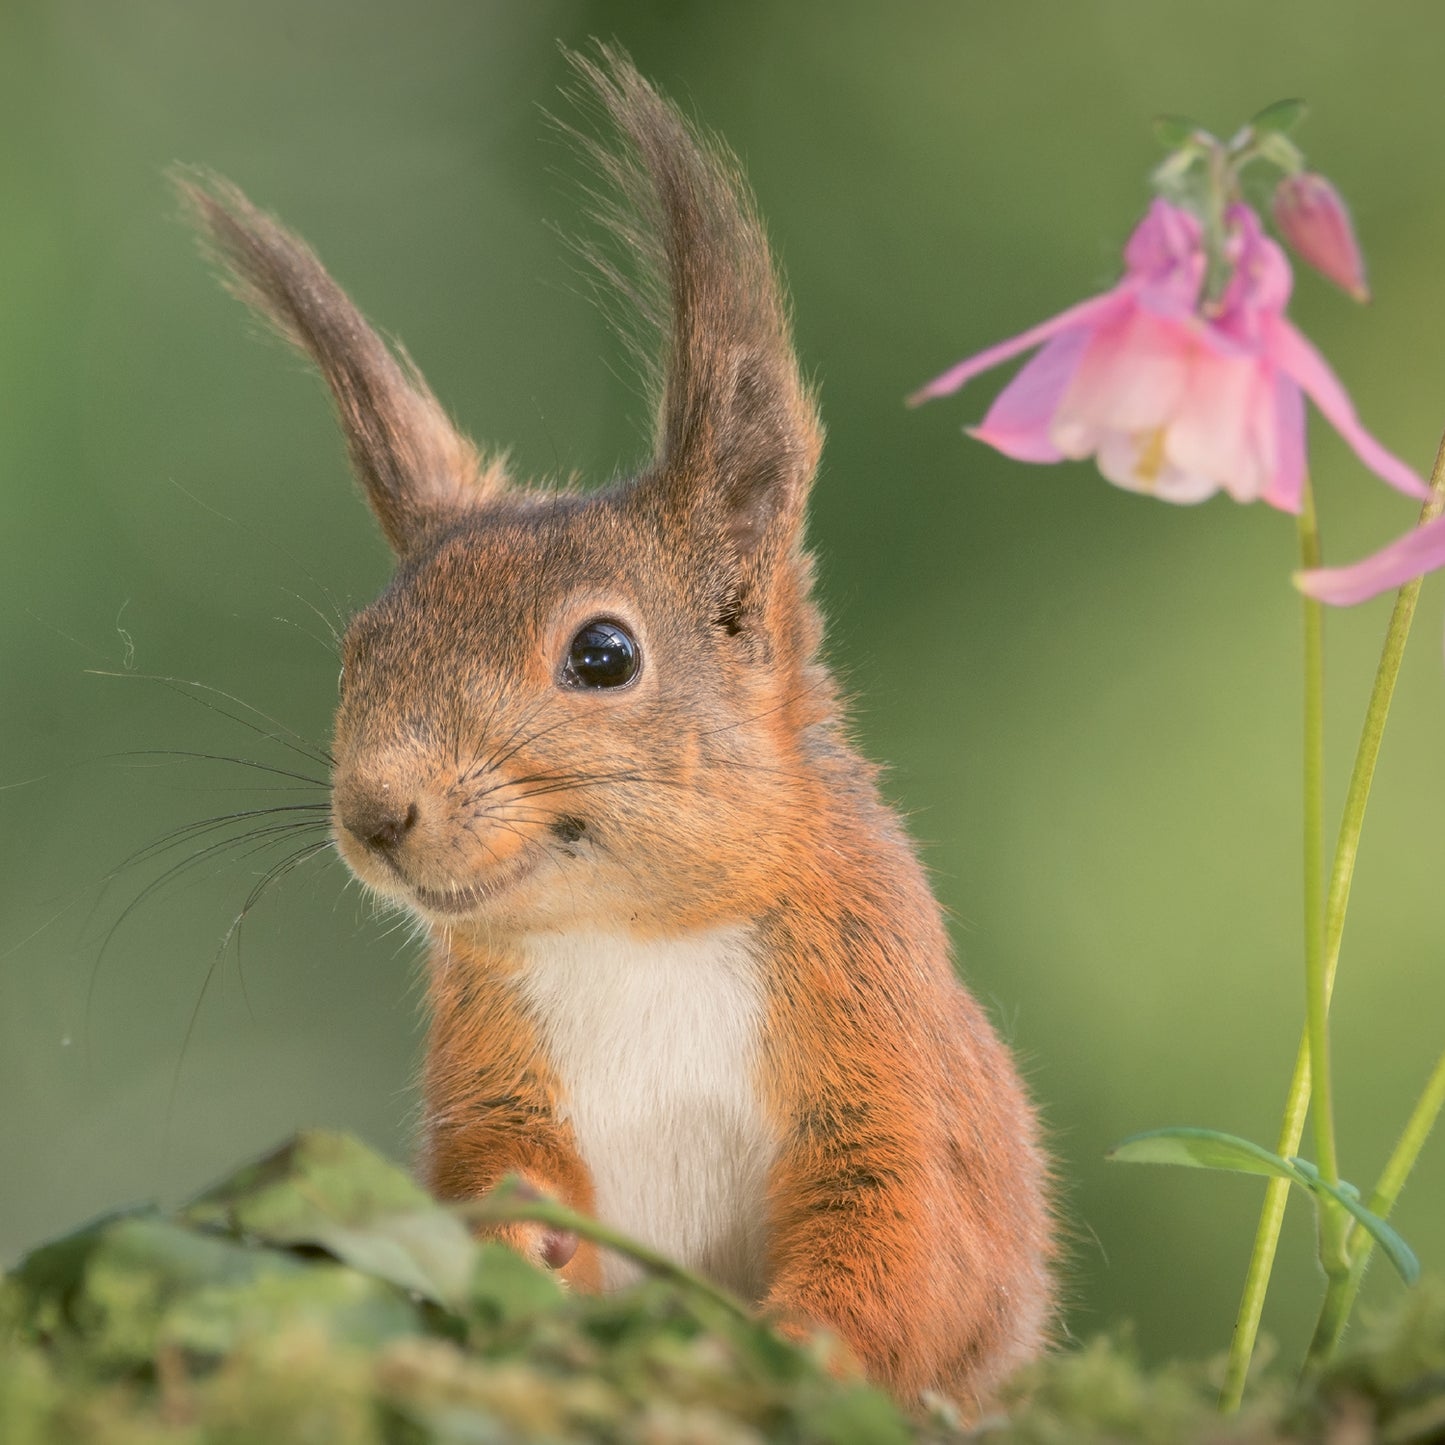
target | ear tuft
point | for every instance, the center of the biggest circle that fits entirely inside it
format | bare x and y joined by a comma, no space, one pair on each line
412,462
737,435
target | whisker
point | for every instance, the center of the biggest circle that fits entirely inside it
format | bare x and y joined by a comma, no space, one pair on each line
290,556
787,700
195,859
521,724
515,741
267,835
65,907
187,754
274,873
262,788
187,832
300,745
332,648
556,781
563,784
497,757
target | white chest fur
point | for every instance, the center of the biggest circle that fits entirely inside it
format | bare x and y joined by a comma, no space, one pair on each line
654,1043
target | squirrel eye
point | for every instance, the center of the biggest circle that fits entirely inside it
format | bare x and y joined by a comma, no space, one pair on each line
602,654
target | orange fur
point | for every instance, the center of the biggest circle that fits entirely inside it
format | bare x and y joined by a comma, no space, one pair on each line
708,821
491,1103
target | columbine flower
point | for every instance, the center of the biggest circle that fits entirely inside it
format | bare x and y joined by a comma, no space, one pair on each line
1403,560
1313,218
1170,395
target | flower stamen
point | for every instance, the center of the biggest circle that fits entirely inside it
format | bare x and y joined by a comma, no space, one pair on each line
1150,460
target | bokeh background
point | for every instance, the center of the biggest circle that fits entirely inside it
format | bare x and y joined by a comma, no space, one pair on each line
1088,700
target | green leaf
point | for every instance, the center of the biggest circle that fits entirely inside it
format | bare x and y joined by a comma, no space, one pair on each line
50,1276
1205,1149
1213,1149
506,1288
1386,1236
859,1416
1281,151
1279,118
329,1191
336,1303
150,1283
1175,131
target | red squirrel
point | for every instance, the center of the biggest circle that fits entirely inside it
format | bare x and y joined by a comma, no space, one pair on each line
686,973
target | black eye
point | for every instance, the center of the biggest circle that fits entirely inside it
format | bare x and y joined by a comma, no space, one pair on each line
603,654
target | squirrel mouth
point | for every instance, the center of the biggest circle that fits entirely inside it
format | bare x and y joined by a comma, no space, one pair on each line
466,899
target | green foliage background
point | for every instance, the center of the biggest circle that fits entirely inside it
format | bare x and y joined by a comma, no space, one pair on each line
1088,700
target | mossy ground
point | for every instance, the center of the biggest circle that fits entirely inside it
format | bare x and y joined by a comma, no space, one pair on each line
319,1296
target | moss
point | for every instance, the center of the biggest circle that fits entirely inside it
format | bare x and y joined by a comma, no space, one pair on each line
318,1297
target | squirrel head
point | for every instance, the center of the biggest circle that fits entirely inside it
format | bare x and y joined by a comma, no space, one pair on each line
579,708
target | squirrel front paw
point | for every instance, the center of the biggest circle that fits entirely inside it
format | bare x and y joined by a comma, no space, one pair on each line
544,1245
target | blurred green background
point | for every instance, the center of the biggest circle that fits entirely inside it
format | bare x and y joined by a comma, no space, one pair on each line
1088,700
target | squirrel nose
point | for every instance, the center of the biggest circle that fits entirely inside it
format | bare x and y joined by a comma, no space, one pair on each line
379,823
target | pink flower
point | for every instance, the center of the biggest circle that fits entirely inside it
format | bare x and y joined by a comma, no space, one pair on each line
1169,397
1403,560
1313,218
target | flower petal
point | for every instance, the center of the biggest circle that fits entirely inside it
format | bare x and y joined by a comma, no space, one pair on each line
1184,489
1164,252
1294,355
1401,561
1092,312
1286,485
1262,280
1136,462
1209,434
1017,423
1131,378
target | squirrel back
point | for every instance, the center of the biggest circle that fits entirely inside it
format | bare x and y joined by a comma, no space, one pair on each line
686,972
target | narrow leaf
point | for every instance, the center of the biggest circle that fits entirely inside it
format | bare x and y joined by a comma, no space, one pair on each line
1388,1238
1280,118
1204,1149
1385,1235
1213,1149
1174,131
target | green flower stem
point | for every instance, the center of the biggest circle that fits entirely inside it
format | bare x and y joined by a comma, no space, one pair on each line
1412,1140
1266,1238
1320,959
1317,981
1334,1223
1340,1296
1276,1195
1217,196
510,1203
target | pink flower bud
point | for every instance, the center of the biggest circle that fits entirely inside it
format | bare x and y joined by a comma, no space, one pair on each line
1313,218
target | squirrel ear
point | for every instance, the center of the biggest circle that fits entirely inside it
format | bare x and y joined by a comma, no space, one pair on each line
411,460
738,436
